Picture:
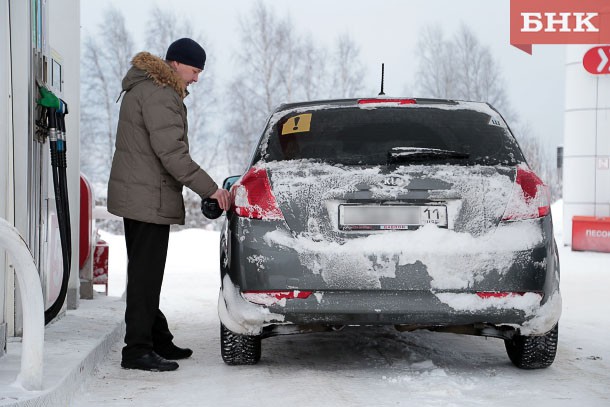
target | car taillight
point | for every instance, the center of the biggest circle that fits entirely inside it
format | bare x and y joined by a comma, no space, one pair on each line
498,294
273,297
530,198
253,196
385,101
504,294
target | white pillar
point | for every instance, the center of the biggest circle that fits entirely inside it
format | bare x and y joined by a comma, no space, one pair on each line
586,176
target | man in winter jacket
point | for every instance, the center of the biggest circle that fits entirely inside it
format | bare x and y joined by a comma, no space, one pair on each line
151,164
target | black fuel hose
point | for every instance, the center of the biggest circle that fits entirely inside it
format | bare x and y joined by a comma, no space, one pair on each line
63,179
61,207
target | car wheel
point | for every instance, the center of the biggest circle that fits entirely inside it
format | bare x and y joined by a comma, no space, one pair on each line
237,349
533,352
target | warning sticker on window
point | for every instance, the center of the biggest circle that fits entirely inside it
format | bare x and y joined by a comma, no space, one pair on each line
496,121
297,124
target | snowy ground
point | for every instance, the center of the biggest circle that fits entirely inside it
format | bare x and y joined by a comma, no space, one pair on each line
380,367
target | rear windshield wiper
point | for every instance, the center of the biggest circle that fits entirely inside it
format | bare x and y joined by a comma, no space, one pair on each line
399,154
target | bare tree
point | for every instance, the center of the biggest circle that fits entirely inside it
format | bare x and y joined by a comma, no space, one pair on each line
106,59
348,72
263,50
263,80
459,68
313,73
278,64
433,76
463,68
289,61
164,27
478,76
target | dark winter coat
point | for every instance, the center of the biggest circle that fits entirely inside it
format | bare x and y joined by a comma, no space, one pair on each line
151,162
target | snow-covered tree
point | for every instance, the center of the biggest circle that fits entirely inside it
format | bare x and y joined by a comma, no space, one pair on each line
348,71
106,59
278,64
461,67
267,63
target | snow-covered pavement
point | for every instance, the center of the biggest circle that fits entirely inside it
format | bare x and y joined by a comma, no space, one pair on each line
373,367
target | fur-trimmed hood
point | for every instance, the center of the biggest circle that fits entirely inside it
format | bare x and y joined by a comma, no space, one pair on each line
147,66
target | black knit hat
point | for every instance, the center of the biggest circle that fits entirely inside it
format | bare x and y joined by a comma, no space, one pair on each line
186,51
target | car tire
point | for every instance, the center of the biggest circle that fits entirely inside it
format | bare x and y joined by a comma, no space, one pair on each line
237,349
533,352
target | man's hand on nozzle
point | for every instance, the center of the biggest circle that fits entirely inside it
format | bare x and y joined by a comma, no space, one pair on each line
223,197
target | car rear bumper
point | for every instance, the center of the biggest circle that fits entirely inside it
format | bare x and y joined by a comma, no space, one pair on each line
412,287
530,312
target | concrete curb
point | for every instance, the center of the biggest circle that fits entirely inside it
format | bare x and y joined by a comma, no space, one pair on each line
74,346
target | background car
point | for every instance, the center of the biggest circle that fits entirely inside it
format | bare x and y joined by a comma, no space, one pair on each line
416,213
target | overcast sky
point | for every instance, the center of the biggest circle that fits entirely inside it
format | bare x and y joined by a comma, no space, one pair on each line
386,31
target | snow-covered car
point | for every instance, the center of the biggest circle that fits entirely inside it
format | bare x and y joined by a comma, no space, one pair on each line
413,213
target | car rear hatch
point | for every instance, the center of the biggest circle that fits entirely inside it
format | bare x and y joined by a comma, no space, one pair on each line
391,195
326,202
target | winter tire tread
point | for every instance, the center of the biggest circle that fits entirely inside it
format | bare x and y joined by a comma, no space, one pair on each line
533,352
237,349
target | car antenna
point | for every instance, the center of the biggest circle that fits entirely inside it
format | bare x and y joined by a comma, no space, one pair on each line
382,69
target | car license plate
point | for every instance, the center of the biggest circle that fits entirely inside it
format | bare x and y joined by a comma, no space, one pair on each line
388,217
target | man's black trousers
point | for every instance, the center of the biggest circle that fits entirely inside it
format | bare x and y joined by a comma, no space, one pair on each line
146,326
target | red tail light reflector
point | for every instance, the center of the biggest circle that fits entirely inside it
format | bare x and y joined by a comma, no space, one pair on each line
385,101
253,196
502,294
496,294
530,198
273,297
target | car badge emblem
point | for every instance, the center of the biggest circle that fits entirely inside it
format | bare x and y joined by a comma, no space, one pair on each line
393,181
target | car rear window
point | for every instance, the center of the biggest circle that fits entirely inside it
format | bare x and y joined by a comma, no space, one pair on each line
356,136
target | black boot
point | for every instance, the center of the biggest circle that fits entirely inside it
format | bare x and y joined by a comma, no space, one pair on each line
170,351
151,362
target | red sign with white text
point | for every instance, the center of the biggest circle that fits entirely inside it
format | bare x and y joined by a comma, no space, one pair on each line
597,60
591,233
559,22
